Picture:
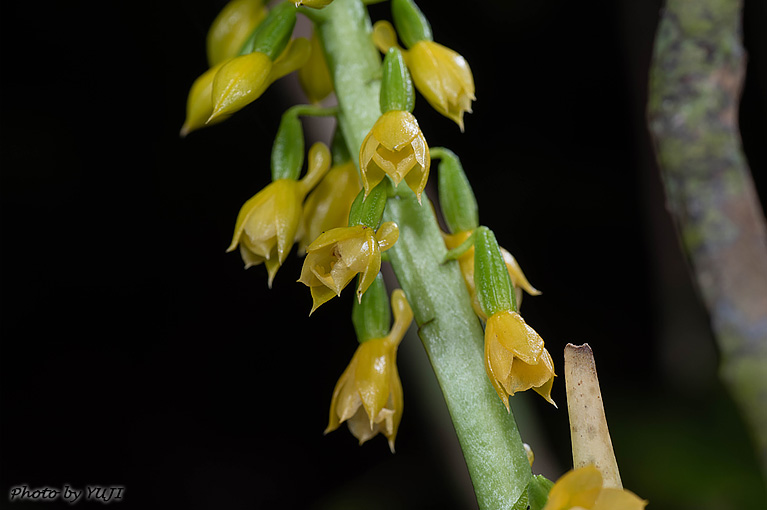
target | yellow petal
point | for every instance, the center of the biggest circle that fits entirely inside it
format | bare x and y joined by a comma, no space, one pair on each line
498,362
319,163
618,499
340,406
403,316
373,375
384,36
239,82
579,487
515,335
525,376
396,129
199,103
518,278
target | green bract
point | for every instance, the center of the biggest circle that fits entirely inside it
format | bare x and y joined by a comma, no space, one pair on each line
271,36
368,211
456,198
288,148
396,85
491,277
412,26
371,315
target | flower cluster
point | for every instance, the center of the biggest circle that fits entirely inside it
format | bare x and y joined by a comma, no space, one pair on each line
338,215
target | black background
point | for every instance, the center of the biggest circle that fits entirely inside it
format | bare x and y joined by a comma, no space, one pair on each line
135,352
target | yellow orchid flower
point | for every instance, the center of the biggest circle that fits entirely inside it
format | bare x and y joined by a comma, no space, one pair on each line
466,264
232,27
583,489
336,256
368,395
440,74
241,80
268,223
214,96
515,357
397,148
328,206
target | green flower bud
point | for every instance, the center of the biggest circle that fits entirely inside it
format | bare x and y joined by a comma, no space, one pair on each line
456,198
396,86
288,147
274,33
491,277
368,211
371,316
412,25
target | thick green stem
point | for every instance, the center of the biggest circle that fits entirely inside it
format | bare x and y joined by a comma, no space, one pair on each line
448,327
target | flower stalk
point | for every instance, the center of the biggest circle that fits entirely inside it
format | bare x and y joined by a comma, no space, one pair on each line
449,329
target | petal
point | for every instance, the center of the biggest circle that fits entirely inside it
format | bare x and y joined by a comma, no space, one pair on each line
340,406
618,499
578,487
386,235
372,377
498,363
515,335
518,278
396,129
384,36
239,82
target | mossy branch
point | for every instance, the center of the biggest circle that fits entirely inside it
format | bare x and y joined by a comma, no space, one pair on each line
695,85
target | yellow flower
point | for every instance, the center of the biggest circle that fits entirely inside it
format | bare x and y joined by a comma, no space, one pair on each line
232,27
582,489
267,224
397,148
368,395
515,358
466,263
328,206
241,80
440,74
336,256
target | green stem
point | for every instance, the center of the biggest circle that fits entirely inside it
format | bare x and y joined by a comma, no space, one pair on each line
450,331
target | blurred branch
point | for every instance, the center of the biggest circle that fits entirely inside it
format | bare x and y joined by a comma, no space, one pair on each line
695,85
